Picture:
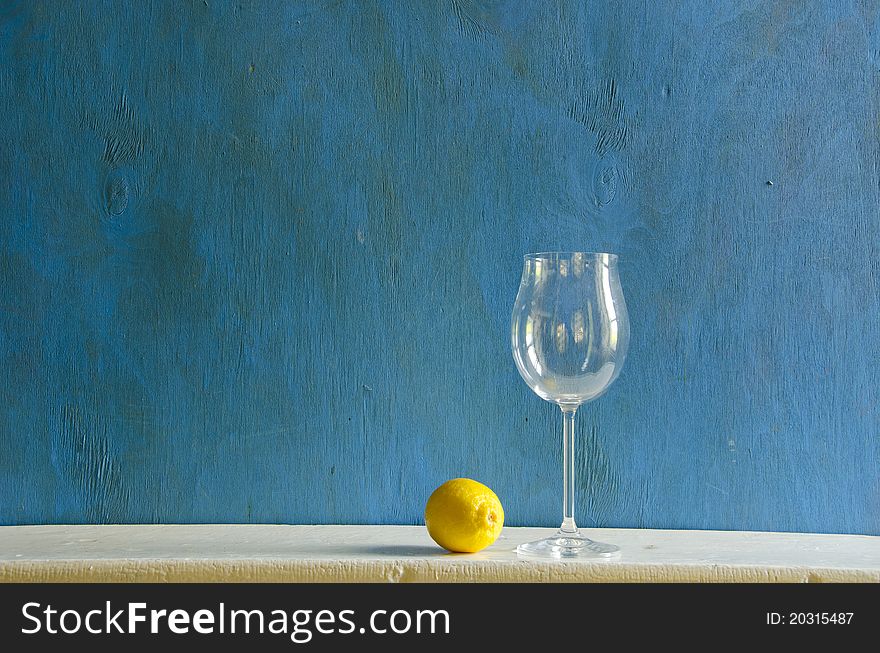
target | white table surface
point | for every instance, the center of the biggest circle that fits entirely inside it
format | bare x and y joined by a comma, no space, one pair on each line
255,553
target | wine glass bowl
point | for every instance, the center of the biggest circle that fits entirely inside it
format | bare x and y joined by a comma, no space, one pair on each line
570,330
569,336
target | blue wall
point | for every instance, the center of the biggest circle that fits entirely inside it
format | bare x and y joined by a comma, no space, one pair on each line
257,260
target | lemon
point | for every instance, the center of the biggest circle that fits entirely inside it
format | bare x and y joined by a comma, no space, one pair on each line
464,516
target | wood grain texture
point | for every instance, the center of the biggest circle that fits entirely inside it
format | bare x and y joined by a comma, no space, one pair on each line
257,259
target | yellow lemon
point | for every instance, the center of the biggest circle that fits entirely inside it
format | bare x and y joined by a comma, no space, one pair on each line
464,516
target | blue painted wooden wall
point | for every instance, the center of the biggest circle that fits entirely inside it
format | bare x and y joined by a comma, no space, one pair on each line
257,259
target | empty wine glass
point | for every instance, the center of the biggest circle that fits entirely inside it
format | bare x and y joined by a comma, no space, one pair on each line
570,333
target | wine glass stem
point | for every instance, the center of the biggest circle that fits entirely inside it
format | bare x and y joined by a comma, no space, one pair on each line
568,525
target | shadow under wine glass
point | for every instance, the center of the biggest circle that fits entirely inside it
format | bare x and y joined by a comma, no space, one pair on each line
570,333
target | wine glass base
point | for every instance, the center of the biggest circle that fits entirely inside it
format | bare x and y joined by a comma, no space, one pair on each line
567,546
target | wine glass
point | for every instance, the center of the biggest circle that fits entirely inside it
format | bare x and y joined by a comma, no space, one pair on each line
570,333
